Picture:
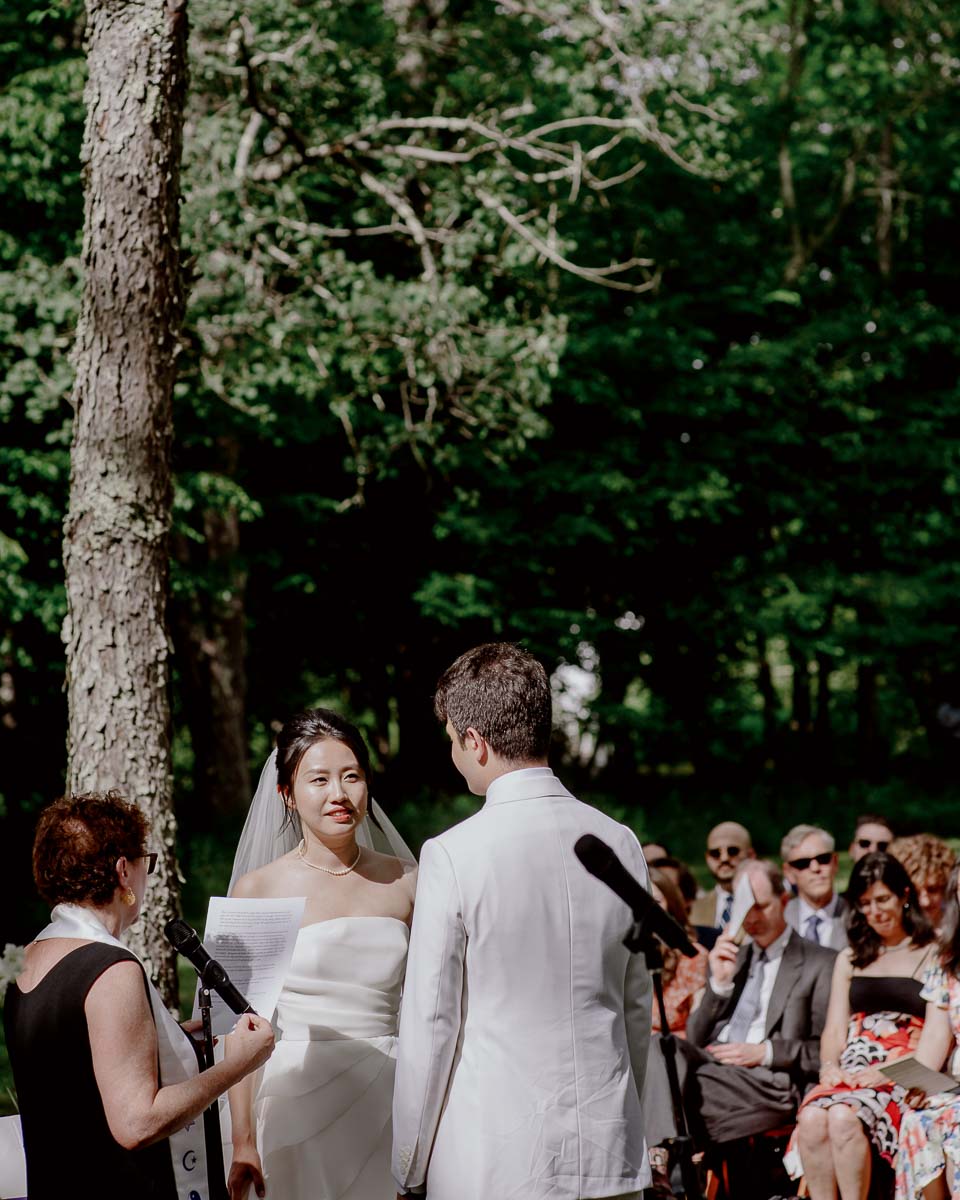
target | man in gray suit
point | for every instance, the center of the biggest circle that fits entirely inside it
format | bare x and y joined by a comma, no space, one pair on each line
810,863
754,1040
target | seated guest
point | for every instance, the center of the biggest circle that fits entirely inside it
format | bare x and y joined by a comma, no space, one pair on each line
683,978
753,1042
871,832
928,862
810,864
682,877
108,1082
758,1025
875,1016
930,1136
728,845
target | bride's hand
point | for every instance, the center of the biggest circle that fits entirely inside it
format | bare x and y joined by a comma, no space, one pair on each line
244,1170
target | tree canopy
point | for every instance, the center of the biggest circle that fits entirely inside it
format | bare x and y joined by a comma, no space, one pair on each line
630,334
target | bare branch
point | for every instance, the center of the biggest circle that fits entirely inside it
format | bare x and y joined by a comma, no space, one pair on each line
245,145
593,274
405,212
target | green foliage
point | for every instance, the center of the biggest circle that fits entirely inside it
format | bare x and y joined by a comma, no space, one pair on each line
403,426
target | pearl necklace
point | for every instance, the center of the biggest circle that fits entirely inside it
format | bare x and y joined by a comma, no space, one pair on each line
326,870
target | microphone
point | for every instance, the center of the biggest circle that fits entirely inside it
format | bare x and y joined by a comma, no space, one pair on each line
604,865
186,941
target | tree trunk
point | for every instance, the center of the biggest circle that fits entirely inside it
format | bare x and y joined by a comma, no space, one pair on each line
771,705
801,714
868,726
822,725
210,636
117,525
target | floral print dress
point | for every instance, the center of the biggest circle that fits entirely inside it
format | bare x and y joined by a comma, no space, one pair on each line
930,1135
688,980
885,1023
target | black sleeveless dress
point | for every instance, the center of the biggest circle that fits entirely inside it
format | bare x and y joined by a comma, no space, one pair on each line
69,1148
886,1019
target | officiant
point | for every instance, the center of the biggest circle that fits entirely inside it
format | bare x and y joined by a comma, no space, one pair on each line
108,1083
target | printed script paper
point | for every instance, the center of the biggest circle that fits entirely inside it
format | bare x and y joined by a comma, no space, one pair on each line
253,941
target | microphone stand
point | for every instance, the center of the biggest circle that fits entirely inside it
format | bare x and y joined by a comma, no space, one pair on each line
212,1137
641,940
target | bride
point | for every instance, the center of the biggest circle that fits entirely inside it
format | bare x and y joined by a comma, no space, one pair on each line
318,1121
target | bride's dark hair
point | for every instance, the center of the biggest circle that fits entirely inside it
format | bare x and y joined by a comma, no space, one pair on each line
304,730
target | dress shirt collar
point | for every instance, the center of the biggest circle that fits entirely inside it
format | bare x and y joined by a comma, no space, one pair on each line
775,949
524,784
827,913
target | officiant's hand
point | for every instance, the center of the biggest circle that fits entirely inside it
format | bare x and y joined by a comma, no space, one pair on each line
251,1041
193,1028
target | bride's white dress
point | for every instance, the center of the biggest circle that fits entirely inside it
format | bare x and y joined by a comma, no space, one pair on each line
323,1107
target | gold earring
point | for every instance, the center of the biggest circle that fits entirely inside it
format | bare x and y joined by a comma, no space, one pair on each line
129,897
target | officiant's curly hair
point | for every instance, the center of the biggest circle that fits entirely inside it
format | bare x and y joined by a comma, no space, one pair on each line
503,693
77,844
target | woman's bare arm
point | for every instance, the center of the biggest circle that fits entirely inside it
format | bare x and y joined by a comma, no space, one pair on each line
834,1036
123,1044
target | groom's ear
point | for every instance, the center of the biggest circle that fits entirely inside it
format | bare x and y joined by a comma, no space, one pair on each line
476,744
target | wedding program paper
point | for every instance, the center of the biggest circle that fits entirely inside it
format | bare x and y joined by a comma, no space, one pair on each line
912,1074
743,901
253,941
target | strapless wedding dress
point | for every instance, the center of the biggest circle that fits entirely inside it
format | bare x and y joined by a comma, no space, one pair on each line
323,1106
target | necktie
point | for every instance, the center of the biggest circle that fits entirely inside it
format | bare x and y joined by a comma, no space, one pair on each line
812,931
727,909
748,1006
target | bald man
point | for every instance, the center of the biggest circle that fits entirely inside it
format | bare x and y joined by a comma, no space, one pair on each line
728,845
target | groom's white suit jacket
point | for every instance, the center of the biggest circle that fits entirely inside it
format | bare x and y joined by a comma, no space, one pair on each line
524,1023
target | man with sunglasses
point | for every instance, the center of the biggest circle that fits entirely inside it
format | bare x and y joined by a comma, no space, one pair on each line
871,832
810,864
728,845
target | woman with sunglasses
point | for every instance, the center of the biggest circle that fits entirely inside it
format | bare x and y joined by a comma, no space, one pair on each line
108,1083
875,1015
928,1164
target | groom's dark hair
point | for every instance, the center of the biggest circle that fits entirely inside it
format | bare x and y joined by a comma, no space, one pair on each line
503,693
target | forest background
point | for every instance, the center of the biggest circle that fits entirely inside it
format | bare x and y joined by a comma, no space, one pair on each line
627,333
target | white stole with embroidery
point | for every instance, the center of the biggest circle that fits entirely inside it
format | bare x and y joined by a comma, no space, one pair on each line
177,1059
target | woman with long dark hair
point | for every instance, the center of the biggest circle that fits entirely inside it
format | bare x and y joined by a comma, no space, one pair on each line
875,1015
683,978
318,1123
928,1164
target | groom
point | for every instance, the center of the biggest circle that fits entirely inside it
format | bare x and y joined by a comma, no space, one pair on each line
525,1022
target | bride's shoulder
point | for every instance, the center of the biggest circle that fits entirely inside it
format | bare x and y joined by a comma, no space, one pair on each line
264,881
389,865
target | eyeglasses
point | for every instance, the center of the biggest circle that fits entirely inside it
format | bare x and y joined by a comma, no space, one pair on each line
801,864
151,857
867,844
730,851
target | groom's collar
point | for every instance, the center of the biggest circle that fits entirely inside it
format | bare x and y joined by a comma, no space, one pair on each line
525,784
